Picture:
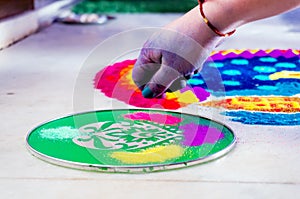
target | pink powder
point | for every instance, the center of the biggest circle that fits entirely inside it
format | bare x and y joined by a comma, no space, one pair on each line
113,83
196,135
154,117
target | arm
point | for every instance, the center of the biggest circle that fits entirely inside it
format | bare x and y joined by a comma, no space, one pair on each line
240,12
159,68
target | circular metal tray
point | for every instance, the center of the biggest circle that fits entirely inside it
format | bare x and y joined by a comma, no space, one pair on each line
130,140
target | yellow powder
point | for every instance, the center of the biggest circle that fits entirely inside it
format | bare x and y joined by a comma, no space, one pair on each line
154,154
285,75
269,104
129,78
187,97
172,95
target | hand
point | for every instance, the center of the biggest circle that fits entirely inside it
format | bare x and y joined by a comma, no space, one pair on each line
166,61
173,55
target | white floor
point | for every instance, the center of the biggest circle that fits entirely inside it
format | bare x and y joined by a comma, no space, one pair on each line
38,77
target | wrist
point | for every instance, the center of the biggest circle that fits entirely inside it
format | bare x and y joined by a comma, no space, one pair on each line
192,25
220,16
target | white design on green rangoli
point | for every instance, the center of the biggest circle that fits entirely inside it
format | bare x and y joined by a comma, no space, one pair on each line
125,135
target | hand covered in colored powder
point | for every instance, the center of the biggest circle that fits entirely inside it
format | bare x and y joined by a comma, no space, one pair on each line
166,61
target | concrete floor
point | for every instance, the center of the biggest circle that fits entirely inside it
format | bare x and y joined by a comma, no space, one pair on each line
37,80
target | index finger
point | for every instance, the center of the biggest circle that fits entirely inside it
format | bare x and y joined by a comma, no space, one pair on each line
145,67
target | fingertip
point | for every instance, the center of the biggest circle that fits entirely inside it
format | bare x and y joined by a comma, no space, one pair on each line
147,92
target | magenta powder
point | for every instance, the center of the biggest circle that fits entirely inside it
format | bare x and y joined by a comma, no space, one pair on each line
196,135
154,117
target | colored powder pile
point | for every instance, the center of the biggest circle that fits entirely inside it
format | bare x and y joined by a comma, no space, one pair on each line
285,75
133,6
267,104
154,117
155,154
264,118
251,72
197,135
253,80
115,81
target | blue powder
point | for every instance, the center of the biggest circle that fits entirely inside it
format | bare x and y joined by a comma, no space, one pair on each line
264,69
240,62
262,118
262,77
197,76
268,59
232,72
247,92
254,78
283,89
285,65
195,82
216,64
270,88
231,83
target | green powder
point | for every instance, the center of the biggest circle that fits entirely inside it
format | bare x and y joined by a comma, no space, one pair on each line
133,6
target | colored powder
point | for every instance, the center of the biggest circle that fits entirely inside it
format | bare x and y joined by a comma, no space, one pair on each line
216,64
252,53
264,69
285,75
115,81
154,117
129,80
154,154
195,81
269,88
132,6
171,104
200,93
283,89
266,104
184,96
261,118
60,133
231,83
232,72
187,97
232,53
171,95
239,62
262,77
285,65
196,135
268,59
254,74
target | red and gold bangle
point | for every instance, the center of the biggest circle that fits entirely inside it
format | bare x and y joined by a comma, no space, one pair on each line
212,27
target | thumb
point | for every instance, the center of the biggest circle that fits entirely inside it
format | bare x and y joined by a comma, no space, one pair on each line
160,81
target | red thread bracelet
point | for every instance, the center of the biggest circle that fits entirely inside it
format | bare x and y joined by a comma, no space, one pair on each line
212,27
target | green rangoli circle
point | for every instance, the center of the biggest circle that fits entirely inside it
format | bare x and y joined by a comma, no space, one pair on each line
133,141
